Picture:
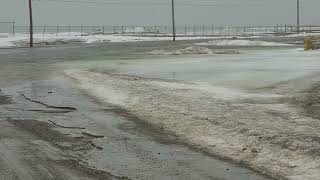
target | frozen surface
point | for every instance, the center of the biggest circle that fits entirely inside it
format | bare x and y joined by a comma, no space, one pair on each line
250,69
265,134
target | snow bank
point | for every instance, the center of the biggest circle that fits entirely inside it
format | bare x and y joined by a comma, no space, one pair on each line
192,50
188,50
281,143
241,43
7,40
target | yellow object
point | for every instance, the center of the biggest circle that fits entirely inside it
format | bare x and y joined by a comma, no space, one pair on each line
309,44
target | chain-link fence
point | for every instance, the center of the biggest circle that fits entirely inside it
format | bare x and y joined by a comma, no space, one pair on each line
10,28
7,28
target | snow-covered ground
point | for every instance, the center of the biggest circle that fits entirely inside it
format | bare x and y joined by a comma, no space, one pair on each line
242,43
8,40
192,50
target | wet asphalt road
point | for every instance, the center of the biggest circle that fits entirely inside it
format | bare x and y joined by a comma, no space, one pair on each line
51,130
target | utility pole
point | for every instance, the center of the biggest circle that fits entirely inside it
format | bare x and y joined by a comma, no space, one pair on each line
173,22
31,23
298,16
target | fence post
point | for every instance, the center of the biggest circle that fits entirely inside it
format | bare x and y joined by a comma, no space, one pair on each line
57,30
285,29
203,31
81,30
212,32
194,31
252,31
266,32
220,31
69,29
310,29
13,28
114,30
122,32
165,31
44,30
244,31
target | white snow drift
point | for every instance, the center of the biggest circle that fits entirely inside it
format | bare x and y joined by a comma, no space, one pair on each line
241,43
192,50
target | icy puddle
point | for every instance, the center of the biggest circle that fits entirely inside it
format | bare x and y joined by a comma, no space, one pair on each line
267,136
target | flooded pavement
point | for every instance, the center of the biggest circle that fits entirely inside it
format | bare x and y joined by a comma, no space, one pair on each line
52,130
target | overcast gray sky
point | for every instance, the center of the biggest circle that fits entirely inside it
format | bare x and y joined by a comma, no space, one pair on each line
188,12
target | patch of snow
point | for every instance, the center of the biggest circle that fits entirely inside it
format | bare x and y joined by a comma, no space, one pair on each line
192,50
241,43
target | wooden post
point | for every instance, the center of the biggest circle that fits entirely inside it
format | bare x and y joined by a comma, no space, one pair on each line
69,30
103,30
114,30
31,23
81,30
